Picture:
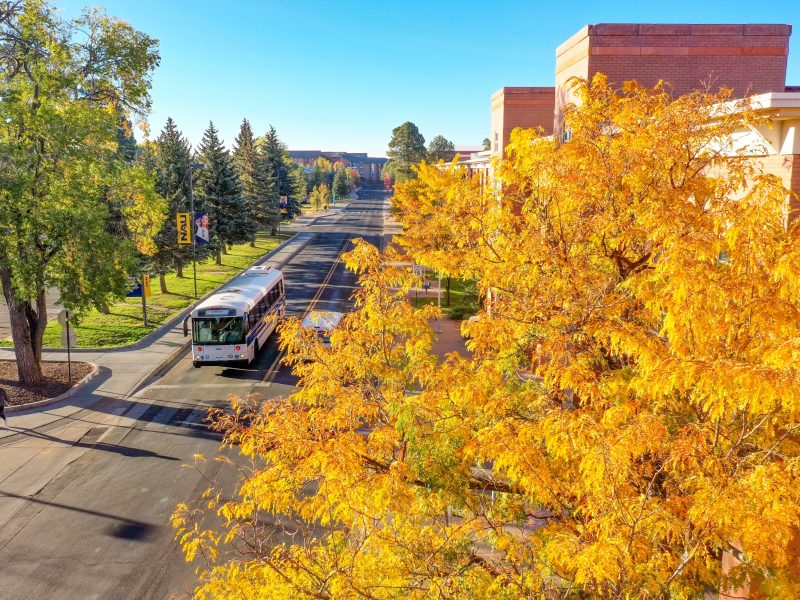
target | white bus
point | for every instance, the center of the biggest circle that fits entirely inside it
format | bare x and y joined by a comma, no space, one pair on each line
231,325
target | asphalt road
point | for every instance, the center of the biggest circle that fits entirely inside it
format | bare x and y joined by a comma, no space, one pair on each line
99,530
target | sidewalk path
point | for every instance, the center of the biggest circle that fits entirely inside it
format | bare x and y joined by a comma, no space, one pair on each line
123,371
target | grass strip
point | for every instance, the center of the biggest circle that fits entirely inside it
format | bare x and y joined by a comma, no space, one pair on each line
124,323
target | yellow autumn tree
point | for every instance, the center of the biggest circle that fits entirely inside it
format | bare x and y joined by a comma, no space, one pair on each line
631,411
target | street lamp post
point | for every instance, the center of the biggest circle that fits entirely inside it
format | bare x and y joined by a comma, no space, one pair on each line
192,167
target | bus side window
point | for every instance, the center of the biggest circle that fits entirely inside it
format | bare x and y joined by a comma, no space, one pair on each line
281,287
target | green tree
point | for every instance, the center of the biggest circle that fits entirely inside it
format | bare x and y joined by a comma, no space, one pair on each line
406,149
320,196
341,182
298,186
273,151
171,161
230,221
258,184
66,84
321,172
487,144
441,148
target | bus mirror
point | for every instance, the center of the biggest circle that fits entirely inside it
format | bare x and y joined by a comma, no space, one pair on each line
186,326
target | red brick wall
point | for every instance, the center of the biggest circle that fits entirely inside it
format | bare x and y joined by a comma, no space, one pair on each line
751,59
527,107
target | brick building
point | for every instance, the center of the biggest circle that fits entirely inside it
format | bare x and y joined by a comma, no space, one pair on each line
528,107
750,59
369,167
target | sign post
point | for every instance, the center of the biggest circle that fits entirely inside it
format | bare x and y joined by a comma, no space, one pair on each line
145,295
67,339
141,289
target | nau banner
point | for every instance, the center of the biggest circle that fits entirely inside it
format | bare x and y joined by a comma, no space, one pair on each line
201,235
184,228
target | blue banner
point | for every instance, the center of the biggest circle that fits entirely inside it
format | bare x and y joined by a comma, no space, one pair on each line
136,292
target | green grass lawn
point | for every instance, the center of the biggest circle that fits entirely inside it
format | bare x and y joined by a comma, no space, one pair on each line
124,325
463,298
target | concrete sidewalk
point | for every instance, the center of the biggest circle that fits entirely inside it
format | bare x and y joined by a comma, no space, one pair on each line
306,221
123,371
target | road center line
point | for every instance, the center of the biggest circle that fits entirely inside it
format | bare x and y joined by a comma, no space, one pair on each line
272,370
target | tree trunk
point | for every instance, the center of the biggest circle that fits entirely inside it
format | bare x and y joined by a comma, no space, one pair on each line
253,243
180,271
104,308
448,290
219,257
28,322
225,249
162,282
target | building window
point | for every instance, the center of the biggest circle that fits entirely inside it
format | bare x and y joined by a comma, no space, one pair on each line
496,142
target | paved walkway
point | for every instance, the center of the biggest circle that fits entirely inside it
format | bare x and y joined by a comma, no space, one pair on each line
123,371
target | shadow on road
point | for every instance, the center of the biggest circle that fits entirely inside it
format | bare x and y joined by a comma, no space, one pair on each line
123,528
85,442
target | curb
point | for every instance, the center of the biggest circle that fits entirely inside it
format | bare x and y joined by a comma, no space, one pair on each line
68,394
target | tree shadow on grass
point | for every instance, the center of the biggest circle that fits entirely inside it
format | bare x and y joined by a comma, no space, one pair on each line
177,295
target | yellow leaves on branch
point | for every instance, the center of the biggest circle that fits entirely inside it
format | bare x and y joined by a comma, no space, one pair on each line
631,411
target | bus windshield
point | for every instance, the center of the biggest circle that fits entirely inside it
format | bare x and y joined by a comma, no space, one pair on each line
218,330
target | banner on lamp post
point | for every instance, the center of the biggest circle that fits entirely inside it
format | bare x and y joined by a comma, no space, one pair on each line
201,234
184,224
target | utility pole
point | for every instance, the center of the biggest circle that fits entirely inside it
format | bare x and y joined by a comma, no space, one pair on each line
278,194
192,167
144,304
69,354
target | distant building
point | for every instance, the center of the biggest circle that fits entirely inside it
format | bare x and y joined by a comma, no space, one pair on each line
369,167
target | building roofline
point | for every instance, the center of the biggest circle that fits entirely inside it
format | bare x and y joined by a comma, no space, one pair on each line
534,90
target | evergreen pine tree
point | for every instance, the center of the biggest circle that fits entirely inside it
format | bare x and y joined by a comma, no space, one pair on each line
171,159
290,178
272,155
298,187
258,184
230,221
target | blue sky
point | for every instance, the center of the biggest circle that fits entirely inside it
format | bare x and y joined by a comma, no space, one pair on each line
340,75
